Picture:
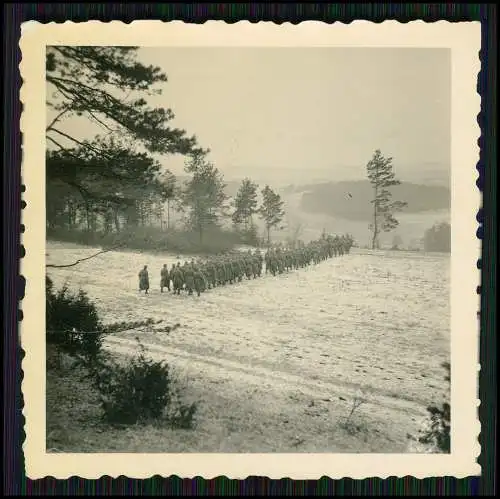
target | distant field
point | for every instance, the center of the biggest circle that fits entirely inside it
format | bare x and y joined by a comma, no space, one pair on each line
276,362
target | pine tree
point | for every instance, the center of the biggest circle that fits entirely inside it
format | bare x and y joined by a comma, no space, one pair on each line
245,204
95,82
271,210
107,86
203,196
382,177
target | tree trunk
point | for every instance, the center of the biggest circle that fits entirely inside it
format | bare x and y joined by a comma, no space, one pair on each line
268,235
93,221
70,216
375,225
87,215
168,213
116,220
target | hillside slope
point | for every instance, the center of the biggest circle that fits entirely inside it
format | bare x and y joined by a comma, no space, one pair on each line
281,374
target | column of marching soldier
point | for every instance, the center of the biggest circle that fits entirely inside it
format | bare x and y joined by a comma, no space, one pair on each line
220,270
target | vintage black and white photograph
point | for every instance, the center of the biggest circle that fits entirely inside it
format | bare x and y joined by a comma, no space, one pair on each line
248,249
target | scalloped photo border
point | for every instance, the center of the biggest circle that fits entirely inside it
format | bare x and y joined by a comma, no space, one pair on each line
464,40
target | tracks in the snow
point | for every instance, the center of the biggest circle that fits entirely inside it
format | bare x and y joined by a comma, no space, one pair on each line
257,374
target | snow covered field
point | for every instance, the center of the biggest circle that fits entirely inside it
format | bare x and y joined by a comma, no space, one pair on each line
277,362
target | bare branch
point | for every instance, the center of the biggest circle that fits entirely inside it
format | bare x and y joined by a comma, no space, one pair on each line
69,137
55,142
83,259
56,119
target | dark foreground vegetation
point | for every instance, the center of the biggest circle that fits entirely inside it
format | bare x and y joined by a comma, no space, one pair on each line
438,433
87,384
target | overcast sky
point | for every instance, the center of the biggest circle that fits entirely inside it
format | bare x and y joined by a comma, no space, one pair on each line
286,114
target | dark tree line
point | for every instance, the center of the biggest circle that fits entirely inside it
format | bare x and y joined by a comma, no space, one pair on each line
113,181
438,238
85,189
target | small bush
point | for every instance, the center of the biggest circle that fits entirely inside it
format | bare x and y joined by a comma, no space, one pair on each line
140,391
358,400
72,322
438,434
185,417
180,415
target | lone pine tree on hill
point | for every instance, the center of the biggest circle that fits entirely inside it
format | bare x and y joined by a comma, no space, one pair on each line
382,177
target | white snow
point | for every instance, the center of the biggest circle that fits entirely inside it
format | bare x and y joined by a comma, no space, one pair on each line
375,321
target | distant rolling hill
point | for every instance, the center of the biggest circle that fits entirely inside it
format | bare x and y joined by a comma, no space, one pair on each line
344,206
350,200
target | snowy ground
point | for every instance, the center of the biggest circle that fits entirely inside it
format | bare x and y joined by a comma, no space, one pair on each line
276,363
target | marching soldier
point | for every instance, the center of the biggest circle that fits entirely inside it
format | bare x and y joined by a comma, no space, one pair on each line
144,280
249,265
189,278
177,279
165,278
199,281
267,259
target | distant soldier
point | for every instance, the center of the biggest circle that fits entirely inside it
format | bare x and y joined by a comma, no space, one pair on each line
189,278
256,266
144,280
222,274
342,245
172,274
229,271
273,262
199,281
268,260
279,261
165,278
237,269
336,246
249,266
211,274
177,277
260,259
